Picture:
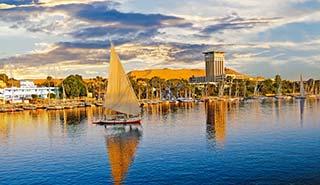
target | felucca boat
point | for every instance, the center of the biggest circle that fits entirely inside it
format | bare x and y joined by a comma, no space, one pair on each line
120,96
279,95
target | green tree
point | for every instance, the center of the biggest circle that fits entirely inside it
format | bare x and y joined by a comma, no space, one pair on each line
278,83
267,87
49,82
74,86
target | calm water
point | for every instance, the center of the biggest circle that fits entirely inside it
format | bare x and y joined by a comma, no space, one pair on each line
216,143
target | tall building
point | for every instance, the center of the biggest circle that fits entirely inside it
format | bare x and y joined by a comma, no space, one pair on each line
215,71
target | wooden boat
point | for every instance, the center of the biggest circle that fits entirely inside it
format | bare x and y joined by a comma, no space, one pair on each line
2,110
88,104
18,109
81,104
185,100
68,106
29,107
282,97
120,96
279,95
98,104
54,107
13,109
119,121
40,106
10,109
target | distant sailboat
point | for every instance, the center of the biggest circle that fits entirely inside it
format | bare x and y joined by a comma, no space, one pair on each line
221,89
279,92
255,93
312,92
302,92
120,96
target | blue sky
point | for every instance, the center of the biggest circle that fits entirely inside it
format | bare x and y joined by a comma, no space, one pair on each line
60,37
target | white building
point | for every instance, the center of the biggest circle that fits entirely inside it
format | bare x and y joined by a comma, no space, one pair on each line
25,92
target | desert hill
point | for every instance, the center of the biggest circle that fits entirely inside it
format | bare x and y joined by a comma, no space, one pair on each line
177,73
166,74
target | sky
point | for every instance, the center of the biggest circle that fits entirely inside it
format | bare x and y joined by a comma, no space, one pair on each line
62,37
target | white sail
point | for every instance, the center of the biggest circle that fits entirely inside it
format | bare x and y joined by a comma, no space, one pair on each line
302,93
120,95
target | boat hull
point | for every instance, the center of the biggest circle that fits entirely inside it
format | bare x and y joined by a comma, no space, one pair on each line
117,122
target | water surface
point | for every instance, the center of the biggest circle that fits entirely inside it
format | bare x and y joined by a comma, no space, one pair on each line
206,143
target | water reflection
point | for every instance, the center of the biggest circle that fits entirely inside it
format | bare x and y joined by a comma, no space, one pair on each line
166,108
166,111
4,132
121,144
216,121
254,138
302,102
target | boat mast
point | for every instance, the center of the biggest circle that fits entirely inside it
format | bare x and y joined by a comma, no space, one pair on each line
302,93
230,88
64,92
279,93
11,76
255,89
237,90
244,89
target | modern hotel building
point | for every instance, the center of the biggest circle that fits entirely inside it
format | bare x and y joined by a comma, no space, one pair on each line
215,71
26,90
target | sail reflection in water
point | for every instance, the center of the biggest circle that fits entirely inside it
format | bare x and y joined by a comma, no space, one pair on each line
121,144
302,102
216,121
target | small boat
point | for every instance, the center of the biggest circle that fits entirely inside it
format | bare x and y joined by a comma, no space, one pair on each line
88,104
279,95
29,107
98,104
54,107
14,109
185,100
235,99
120,96
18,109
174,101
282,97
10,109
68,106
2,110
81,104
40,106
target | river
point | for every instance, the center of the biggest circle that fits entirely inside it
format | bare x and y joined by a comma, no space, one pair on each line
206,143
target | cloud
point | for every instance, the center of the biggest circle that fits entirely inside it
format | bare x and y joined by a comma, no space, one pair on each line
164,33
6,6
235,22
17,2
88,20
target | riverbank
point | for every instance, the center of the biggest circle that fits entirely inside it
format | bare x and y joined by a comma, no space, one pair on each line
49,105
80,103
